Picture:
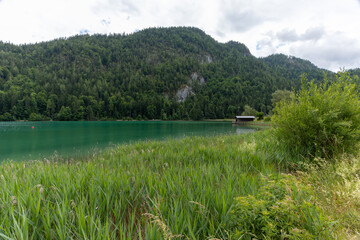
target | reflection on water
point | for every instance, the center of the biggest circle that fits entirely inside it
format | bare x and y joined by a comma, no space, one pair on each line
38,140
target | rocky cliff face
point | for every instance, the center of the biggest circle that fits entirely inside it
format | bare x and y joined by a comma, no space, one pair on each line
187,90
183,93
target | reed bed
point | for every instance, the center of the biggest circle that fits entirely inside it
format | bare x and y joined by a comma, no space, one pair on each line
173,189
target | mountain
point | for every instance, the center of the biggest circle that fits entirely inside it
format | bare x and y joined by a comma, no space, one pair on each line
354,72
291,68
167,73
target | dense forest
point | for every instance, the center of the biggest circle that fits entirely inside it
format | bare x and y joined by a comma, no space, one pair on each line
158,73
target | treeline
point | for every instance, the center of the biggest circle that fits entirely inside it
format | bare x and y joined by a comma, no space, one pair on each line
159,73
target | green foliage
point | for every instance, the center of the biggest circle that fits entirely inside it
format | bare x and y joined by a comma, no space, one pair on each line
290,67
37,117
355,74
249,111
282,208
196,113
279,96
259,115
6,117
321,120
64,114
337,189
267,119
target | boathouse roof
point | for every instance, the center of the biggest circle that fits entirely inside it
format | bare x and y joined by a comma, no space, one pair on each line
245,117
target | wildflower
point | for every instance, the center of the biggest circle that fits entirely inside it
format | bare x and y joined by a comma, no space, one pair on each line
13,200
73,204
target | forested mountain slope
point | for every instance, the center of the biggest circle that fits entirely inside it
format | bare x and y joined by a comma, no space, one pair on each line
167,73
291,68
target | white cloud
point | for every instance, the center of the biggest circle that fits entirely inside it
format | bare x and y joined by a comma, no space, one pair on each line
333,52
240,20
304,28
121,6
311,34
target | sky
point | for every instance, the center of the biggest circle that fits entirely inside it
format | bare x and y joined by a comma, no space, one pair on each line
325,32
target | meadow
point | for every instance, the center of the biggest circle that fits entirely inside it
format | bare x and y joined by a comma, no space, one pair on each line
223,187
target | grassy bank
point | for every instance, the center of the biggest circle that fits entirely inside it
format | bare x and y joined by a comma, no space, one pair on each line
225,187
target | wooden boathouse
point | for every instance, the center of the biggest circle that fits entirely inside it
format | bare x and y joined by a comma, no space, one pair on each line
243,119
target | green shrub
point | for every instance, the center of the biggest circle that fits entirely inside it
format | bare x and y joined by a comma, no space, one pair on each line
321,120
267,119
259,115
7,117
283,208
64,114
37,117
281,96
248,111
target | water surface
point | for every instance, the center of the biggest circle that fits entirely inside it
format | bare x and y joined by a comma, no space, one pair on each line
39,140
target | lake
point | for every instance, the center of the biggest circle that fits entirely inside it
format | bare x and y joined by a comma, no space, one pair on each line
39,140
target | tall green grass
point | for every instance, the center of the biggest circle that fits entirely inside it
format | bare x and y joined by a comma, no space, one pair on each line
174,189
337,187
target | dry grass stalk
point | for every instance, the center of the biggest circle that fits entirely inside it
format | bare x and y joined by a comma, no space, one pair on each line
164,229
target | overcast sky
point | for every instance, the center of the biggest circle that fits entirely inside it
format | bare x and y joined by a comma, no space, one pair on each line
326,32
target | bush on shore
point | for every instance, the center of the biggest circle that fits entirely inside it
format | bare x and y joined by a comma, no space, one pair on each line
321,120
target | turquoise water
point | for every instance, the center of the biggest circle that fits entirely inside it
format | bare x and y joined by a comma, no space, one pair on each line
39,140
